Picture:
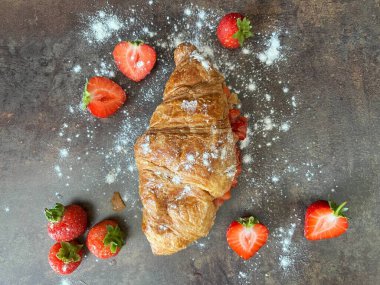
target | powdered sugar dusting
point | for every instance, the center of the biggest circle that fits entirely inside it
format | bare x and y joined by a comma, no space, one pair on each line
102,26
205,63
184,193
189,106
146,146
272,54
77,68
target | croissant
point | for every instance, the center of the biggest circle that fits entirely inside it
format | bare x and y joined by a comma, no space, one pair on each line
188,160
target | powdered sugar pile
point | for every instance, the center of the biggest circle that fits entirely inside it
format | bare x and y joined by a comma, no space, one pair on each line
272,54
189,106
102,26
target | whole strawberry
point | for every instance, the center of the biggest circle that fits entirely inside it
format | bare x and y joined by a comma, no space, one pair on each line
246,236
105,239
324,220
233,30
66,223
65,257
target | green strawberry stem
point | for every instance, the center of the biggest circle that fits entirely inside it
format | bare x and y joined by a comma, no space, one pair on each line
339,210
244,31
114,238
69,252
137,42
86,98
248,222
55,214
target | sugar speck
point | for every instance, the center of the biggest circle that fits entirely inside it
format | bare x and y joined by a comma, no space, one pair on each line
284,127
244,143
65,282
247,158
294,104
57,169
252,86
176,179
187,12
77,68
285,261
110,178
140,64
63,153
275,179
189,106
268,124
242,275
246,51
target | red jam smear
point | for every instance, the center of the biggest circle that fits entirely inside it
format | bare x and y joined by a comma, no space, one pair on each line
239,125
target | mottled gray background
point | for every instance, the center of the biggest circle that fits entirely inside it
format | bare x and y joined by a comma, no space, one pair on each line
332,65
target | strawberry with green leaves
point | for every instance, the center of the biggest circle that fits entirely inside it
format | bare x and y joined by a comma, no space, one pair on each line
102,97
105,239
233,30
246,236
324,220
134,59
65,257
66,222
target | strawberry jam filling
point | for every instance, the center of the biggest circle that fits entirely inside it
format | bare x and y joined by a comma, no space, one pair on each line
239,126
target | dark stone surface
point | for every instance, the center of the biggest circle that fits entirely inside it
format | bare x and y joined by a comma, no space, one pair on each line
333,62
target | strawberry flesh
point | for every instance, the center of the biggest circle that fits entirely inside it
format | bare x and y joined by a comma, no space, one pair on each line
246,236
103,97
324,222
134,59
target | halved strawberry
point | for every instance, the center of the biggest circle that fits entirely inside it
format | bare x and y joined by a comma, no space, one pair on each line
325,220
246,236
134,59
102,96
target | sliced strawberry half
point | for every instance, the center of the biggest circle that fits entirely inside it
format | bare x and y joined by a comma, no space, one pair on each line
134,59
103,97
325,220
246,236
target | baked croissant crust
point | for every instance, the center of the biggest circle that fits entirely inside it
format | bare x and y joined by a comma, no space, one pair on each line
187,158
